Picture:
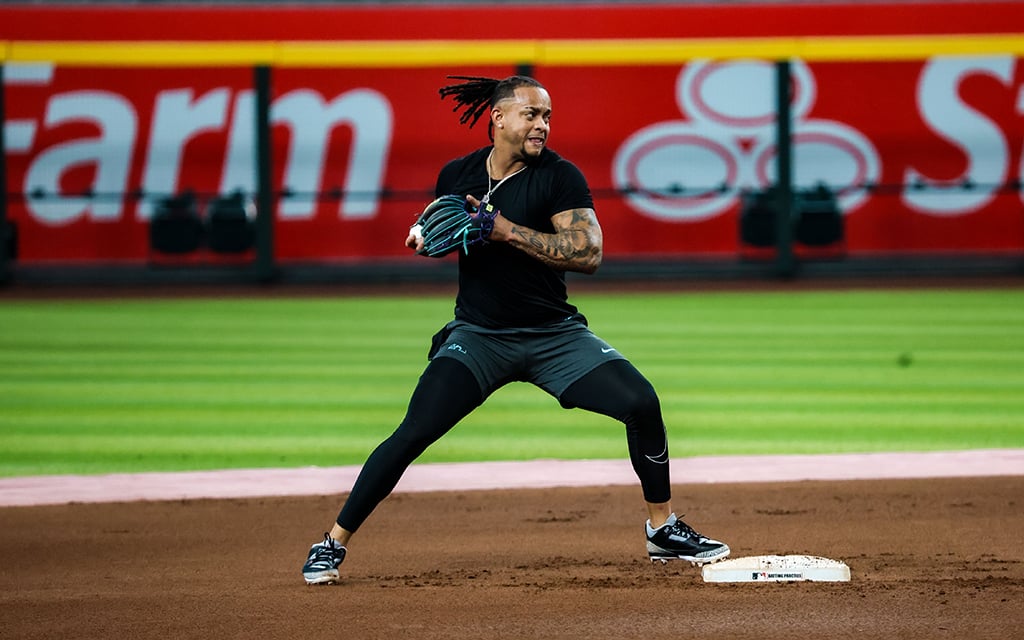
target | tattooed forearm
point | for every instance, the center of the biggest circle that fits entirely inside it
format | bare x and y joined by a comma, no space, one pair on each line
574,246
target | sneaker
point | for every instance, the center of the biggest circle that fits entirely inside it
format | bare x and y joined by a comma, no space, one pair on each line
322,565
676,540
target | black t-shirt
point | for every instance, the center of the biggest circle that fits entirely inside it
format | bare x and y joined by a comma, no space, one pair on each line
499,285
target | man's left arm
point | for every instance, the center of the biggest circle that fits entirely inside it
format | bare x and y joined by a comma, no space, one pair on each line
576,244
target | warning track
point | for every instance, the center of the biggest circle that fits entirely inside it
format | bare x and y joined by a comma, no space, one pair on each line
475,476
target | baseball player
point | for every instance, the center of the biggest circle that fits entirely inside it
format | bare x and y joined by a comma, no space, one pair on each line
527,217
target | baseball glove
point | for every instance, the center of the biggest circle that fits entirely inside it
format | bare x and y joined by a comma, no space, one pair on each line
451,223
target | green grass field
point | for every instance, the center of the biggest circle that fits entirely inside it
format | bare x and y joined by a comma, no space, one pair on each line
185,384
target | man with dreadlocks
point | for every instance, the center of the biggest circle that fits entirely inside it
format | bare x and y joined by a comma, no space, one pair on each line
513,321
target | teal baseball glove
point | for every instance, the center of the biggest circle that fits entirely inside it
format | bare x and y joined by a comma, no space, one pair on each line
450,223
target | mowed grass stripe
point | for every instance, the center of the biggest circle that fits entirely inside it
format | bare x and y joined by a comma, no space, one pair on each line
137,385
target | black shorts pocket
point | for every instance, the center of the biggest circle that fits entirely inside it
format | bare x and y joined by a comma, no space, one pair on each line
439,339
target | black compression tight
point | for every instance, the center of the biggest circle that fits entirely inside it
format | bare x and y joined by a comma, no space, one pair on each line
615,389
446,393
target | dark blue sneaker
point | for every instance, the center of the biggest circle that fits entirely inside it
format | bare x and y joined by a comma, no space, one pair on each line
676,540
324,559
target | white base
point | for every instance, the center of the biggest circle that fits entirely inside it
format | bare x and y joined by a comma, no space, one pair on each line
777,569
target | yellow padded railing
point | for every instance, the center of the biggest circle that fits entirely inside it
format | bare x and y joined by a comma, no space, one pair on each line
567,52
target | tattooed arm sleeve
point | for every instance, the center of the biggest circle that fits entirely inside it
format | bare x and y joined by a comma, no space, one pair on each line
576,244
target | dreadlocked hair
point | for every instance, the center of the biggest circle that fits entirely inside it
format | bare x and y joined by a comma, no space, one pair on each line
477,95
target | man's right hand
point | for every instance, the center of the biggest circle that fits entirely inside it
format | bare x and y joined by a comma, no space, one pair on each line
415,239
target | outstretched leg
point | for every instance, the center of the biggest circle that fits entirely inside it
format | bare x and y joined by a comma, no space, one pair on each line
446,393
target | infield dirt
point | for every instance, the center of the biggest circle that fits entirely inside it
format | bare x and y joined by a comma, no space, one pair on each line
930,558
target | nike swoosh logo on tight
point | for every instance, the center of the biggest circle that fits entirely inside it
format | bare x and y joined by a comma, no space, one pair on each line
661,458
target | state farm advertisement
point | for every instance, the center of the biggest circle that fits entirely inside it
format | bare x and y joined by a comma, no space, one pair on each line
922,156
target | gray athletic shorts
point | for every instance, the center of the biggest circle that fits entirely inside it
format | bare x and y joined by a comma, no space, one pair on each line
552,357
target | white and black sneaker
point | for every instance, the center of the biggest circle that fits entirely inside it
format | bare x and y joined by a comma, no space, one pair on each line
324,559
676,540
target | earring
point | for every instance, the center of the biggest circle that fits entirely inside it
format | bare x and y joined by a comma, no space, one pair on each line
501,126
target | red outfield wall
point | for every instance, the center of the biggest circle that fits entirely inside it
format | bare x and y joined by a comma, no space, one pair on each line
950,127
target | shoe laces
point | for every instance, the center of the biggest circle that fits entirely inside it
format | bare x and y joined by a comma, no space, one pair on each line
325,551
685,530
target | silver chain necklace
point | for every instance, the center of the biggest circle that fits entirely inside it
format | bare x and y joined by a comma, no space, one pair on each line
490,189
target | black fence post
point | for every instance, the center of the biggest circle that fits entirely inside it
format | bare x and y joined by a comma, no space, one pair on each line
524,69
265,270
785,263
5,231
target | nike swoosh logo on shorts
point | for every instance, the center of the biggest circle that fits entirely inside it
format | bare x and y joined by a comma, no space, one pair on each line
607,350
